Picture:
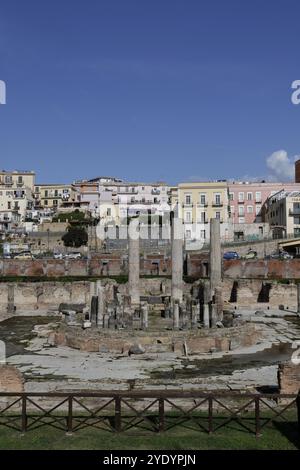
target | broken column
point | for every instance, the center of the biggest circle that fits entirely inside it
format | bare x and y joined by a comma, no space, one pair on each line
101,303
215,269
93,303
134,261
206,304
144,312
195,314
10,298
177,259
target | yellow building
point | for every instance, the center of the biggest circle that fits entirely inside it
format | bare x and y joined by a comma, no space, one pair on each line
200,202
52,196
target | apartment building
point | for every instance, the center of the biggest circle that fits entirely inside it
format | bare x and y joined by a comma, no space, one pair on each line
246,200
16,188
283,213
113,200
200,202
53,196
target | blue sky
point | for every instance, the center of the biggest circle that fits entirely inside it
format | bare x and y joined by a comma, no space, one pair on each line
171,90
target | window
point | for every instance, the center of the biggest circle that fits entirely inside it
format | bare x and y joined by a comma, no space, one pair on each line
203,234
218,215
9,205
46,202
257,209
241,220
20,179
37,189
241,197
232,209
203,199
231,196
218,199
55,202
109,212
250,209
241,210
188,199
258,196
46,192
249,196
188,217
55,193
188,234
203,217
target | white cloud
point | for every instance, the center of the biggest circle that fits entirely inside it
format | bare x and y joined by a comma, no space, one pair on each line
281,165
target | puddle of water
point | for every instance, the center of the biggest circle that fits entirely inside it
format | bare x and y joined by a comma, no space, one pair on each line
16,332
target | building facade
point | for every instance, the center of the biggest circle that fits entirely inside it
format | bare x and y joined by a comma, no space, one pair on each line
53,196
283,213
16,196
197,204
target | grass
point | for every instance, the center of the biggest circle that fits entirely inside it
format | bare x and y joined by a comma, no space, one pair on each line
278,436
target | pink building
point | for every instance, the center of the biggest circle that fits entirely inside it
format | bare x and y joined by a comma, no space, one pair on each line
246,200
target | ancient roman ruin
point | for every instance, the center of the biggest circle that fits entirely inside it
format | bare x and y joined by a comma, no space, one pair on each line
146,326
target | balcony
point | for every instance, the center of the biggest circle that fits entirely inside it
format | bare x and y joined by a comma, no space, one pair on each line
186,205
217,204
202,204
155,191
293,212
241,202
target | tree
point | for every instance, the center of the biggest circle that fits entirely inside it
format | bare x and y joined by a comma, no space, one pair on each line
75,236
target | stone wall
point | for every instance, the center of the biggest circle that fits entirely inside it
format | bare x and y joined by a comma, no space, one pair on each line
11,379
40,297
289,377
189,342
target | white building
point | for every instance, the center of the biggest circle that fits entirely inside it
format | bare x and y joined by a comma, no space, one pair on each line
16,194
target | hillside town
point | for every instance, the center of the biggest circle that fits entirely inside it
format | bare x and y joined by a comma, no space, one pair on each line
35,216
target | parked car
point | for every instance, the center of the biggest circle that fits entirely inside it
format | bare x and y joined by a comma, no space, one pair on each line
230,255
73,255
58,255
252,254
23,255
281,255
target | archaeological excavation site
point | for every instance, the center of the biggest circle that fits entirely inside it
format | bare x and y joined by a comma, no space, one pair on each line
139,321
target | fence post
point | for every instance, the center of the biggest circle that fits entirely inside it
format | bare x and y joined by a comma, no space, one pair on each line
24,414
118,424
257,417
70,416
161,407
298,410
210,414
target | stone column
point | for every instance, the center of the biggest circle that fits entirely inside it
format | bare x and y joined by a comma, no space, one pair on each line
298,299
206,300
195,314
219,303
134,261
93,303
206,316
215,263
101,302
176,315
215,255
10,298
145,310
177,259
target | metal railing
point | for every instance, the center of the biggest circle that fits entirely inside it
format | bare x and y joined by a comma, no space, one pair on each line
153,411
